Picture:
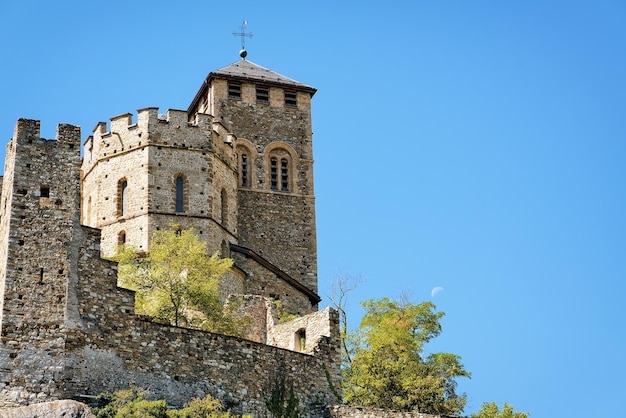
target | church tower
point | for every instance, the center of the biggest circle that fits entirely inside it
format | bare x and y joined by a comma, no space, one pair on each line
237,166
270,115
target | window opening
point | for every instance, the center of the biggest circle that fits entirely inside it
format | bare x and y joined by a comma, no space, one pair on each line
44,191
223,207
121,238
180,194
284,175
123,197
234,91
244,170
300,340
262,95
274,173
291,99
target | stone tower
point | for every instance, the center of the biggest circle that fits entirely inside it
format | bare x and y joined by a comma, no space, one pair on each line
40,201
237,166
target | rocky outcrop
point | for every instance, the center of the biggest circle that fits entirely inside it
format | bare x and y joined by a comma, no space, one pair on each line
54,409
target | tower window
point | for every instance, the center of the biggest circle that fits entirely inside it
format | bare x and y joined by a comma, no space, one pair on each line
284,175
122,197
262,95
291,99
44,191
274,173
224,207
234,91
244,170
121,238
180,195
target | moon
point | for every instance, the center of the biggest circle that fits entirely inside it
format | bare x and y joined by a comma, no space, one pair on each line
435,290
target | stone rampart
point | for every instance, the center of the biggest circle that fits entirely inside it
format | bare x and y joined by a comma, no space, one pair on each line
69,331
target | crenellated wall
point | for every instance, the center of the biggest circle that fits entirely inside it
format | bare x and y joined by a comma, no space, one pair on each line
68,331
129,175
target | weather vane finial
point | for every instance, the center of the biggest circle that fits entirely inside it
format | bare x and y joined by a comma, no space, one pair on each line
243,35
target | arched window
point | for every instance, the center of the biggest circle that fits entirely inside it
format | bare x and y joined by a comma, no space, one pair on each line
245,175
121,238
273,173
280,167
122,197
180,194
224,208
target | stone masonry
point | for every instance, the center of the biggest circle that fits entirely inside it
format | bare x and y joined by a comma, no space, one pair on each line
237,167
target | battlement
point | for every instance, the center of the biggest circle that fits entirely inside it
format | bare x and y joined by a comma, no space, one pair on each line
29,130
171,129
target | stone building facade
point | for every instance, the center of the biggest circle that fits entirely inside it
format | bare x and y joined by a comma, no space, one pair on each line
237,167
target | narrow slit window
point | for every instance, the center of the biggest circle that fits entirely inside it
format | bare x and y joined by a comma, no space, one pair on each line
244,170
274,174
122,203
224,207
180,195
284,175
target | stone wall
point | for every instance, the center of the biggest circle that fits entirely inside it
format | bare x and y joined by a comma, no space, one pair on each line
279,223
39,263
149,156
258,280
343,411
67,330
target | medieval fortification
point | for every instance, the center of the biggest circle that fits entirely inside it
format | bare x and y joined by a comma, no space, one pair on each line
237,166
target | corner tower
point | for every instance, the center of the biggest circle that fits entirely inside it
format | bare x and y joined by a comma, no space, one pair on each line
270,115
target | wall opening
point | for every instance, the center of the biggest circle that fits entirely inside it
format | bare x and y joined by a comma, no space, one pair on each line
300,340
180,194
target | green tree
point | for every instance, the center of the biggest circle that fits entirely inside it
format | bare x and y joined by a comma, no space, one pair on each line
388,367
132,403
177,282
491,410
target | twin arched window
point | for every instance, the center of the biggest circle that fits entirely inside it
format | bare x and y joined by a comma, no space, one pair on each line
279,182
278,167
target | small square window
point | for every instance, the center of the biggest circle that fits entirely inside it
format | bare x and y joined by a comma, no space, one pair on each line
44,191
291,99
234,91
262,95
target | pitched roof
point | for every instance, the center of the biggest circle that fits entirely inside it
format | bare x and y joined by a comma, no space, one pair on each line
254,72
247,70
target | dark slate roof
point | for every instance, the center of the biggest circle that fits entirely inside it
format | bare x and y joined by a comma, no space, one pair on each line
254,72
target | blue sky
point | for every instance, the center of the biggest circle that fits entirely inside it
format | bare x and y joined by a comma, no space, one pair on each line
477,146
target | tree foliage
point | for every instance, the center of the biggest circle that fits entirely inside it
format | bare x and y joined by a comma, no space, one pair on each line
389,368
132,403
178,283
491,410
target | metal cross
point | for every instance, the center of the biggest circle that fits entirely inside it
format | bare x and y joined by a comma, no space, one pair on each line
242,33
